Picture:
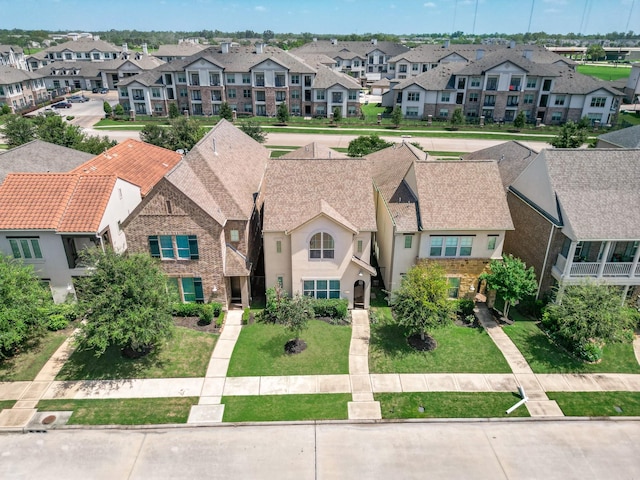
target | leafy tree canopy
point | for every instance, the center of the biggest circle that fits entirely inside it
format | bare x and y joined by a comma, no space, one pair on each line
226,112
396,115
366,144
125,302
282,114
571,135
511,279
254,130
182,133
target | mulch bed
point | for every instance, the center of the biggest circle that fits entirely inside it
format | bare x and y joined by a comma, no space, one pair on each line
426,345
194,323
295,346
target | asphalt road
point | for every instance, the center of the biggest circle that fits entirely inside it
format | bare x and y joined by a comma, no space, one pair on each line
495,450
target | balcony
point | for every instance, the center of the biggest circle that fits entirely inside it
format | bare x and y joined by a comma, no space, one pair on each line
489,104
260,83
515,88
512,103
138,97
580,269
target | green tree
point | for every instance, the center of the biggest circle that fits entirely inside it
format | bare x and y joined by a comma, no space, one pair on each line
173,111
570,136
184,133
226,112
125,303
254,130
396,116
595,52
24,301
511,279
118,110
520,120
456,118
282,114
95,144
295,313
107,109
154,134
53,129
337,114
5,109
18,130
589,316
421,303
366,144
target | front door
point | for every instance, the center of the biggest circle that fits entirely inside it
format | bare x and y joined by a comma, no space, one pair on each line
358,294
236,290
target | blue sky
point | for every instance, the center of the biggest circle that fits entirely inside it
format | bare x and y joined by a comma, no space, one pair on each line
326,16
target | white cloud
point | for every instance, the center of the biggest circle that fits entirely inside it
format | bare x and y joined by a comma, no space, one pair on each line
260,8
552,10
430,5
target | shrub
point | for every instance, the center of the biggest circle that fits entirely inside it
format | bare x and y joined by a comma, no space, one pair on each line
589,351
532,307
245,316
275,296
465,307
219,320
57,321
334,308
185,309
206,313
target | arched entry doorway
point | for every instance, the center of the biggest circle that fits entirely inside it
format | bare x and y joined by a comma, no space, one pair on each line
358,294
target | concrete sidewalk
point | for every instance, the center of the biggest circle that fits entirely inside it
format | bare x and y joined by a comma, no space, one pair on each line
363,406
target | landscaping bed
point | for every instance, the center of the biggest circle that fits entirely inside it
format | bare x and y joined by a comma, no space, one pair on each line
272,408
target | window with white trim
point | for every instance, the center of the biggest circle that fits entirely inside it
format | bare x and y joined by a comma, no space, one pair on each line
454,287
413,96
408,241
491,243
445,97
321,288
453,246
321,246
598,101
181,247
26,248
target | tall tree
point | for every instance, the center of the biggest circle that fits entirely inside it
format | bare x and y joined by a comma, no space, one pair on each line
282,114
421,303
520,120
23,302
456,118
511,279
154,134
337,114
226,112
571,135
396,116
184,133
18,130
254,130
125,303
366,144
595,52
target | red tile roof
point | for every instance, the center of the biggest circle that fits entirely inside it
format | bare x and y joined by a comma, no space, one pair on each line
50,201
136,162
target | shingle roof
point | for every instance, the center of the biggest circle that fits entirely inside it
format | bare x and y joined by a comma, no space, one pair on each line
230,166
598,191
512,157
326,78
461,195
10,75
40,157
493,59
84,45
185,49
136,162
243,59
436,79
624,138
53,201
569,81
298,190
313,150
342,48
235,263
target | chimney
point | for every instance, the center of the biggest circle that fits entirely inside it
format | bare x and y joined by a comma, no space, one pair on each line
145,50
334,41
225,47
260,48
479,53
528,54
374,41
125,47
512,44
447,43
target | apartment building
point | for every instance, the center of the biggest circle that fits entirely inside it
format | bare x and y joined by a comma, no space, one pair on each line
21,89
12,56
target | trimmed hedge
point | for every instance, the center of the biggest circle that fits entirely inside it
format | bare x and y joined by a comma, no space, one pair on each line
332,308
205,311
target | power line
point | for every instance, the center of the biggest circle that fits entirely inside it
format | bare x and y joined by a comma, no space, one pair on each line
533,2
626,29
455,11
473,32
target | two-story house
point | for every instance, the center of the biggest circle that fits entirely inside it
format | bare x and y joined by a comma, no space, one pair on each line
202,219
575,218
319,217
453,213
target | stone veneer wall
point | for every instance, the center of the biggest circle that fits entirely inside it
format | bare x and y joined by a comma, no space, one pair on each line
467,269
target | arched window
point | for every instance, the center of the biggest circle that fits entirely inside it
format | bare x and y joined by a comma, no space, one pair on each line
321,246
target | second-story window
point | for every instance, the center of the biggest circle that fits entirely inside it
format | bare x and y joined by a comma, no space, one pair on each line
183,247
321,246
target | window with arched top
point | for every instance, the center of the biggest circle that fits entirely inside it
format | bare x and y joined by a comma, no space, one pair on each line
321,246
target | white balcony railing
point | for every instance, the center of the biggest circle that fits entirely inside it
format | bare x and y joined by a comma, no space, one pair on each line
584,269
591,269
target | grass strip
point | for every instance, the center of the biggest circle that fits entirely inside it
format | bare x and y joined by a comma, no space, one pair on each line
544,356
272,408
259,351
597,404
26,364
128,411
459,350
449,405
187,354
7,404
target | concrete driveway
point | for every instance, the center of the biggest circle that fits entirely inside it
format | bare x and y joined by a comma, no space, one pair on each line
480,450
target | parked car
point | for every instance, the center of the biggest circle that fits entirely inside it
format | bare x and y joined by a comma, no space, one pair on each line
95,90
104,90
61,105
78,99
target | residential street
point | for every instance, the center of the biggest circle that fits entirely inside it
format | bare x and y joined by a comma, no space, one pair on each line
480,450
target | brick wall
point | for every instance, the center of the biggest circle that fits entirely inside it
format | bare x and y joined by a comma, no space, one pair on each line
468,270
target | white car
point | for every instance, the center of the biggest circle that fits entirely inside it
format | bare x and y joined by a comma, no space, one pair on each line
78,99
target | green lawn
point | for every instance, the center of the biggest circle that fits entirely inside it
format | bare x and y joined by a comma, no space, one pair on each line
544,356
597,404
6,404
27,364
449,405
187,354
273,408
632,118
605,72
129,411
460,350
260,351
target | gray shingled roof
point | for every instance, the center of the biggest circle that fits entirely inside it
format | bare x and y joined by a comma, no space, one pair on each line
326,78
184,49
8,48
84,45
493,59
341,48
9,75
569,81
230,165
297,191
40,157
243,59
624,138
462,195
512,157
598,191
313,150
436,79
